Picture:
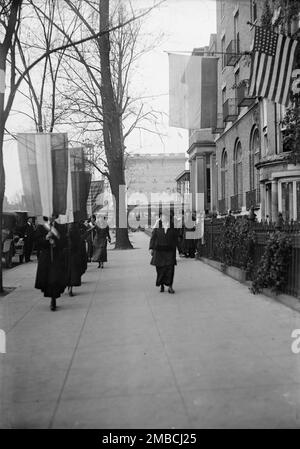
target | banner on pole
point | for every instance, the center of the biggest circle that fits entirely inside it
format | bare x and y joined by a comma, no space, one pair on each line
192,91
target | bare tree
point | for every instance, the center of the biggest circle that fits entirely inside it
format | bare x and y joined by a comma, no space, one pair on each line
10,12
38,36
97,91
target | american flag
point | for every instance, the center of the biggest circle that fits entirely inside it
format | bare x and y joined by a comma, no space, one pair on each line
272,64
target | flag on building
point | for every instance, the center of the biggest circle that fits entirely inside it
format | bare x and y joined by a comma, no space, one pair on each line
192,91
271,66
44,171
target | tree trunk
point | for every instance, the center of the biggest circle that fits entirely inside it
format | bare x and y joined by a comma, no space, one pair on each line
14,8
112,128
2,188
2,173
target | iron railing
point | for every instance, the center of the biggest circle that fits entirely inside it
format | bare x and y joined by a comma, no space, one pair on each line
236,202
211,248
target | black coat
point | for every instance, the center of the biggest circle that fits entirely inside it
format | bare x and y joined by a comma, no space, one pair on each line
100,244
51,270
29,231
164,246
76,259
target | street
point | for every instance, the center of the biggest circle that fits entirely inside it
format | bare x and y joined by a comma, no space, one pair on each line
120,354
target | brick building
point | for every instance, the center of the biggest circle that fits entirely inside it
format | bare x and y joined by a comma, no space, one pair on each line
253,166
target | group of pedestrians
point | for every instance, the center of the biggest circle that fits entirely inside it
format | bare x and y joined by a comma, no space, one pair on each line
170,234
64,252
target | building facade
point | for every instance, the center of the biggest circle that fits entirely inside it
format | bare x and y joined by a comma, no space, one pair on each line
153,175
254,167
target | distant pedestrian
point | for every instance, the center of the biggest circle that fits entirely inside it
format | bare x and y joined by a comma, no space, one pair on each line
229,219
28,239
51,271
90,235
163,245
189,245
102,236
279,221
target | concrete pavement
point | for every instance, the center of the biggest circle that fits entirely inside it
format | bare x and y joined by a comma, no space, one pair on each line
122,355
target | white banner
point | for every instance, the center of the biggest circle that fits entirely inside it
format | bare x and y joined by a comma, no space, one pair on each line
192,91
44,169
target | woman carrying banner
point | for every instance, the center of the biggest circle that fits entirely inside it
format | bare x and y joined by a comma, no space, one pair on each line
163,244
51,242
100,241
75,258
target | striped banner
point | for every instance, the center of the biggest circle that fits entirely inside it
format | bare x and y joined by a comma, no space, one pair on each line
44,164
80,181
271,66
29,174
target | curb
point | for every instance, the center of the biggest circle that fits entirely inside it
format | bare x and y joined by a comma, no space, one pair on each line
287,300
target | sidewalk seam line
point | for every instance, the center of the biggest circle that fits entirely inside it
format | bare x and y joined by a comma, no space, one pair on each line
72,358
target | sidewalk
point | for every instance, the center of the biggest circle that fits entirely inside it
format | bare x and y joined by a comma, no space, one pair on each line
122,355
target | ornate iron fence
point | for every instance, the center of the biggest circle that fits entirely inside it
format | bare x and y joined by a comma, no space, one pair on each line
211,248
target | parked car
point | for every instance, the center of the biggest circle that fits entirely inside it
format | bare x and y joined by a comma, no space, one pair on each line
13,225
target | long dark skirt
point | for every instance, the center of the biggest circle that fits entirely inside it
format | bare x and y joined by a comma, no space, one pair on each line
51,275
74,268
165,275
100,251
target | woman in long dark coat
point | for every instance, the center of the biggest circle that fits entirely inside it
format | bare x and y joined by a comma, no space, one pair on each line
50,239
75,258
189,245
163,244
100,242
89,234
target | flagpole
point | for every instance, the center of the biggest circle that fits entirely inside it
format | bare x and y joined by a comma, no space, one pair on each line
276,130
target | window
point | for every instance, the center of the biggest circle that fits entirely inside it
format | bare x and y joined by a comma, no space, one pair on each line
223,50
222,8
265,112
236,33
265,126
238,170
289,199
223,95
254,157
253,10
224,175
236,80
298,199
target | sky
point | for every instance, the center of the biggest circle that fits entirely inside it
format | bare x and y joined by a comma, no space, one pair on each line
185,24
